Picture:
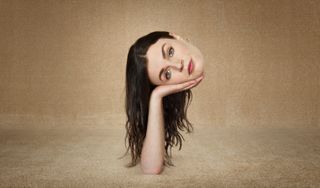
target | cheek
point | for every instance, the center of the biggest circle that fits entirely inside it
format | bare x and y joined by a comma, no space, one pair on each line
179,78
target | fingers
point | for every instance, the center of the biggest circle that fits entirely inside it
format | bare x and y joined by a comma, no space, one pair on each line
194,84
179,37
184,85
200,79
175,35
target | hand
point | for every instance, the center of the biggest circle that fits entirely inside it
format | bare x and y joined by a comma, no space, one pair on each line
164,90
178,37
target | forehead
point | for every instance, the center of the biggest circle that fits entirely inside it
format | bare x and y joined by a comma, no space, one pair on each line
155,49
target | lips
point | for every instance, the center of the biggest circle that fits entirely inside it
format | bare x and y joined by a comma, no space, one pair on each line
190,67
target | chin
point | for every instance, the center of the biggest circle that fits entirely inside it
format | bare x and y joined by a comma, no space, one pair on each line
197,74
198,70
198,60
198,65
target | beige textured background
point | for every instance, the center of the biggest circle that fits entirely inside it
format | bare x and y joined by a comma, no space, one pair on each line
256,115
64,61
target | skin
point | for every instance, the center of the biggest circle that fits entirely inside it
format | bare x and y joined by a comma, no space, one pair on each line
153,150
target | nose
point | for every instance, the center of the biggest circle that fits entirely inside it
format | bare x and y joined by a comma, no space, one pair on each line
178,64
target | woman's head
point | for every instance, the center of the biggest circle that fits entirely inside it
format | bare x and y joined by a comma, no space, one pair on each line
161,58
173,60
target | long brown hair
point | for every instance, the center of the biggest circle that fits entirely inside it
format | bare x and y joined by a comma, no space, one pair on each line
138,91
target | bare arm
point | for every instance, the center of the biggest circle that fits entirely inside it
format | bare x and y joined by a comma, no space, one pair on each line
152,154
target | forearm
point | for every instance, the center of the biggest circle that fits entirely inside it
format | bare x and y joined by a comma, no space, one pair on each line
152,154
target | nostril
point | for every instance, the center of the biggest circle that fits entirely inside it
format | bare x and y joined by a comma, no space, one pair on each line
182,64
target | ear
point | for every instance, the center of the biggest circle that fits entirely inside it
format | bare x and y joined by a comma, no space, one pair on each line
175,36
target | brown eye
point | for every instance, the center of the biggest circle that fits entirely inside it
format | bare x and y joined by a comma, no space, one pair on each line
168,74
171,51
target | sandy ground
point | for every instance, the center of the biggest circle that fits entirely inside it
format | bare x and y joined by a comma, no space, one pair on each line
87,156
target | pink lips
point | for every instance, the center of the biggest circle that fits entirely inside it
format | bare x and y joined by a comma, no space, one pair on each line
190,66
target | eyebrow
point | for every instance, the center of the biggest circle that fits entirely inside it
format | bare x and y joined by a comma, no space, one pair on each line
163,51
163,55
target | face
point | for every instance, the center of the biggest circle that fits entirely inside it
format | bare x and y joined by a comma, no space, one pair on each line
173,61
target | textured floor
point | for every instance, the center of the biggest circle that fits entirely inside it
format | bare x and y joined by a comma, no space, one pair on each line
86,156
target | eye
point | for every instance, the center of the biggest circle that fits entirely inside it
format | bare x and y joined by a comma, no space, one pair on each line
171,51
168,74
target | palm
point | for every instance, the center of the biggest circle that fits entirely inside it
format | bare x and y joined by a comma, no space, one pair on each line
164,90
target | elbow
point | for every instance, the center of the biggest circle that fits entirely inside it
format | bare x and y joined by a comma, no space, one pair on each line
152,171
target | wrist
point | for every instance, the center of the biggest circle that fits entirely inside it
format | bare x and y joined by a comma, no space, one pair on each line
155,96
